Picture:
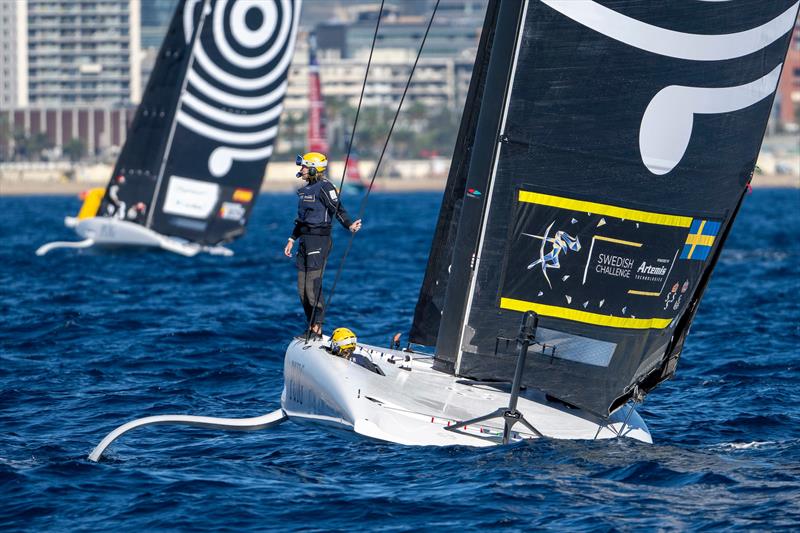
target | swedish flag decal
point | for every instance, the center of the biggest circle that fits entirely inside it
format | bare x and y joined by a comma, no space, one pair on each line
700,239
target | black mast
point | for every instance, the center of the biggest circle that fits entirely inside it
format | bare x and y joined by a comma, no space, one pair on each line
479,175
428,312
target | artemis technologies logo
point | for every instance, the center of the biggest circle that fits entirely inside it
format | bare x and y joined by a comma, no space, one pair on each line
561,241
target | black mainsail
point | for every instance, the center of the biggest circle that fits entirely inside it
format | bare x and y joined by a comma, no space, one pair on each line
603,178
203,133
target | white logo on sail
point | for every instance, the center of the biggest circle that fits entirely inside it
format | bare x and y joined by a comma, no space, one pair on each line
561,241
667,124
214,87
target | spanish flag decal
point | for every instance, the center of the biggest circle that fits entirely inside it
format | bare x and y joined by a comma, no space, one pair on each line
702,234
242,195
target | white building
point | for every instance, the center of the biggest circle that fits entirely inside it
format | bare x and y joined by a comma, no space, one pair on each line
438,81
13,54
82,52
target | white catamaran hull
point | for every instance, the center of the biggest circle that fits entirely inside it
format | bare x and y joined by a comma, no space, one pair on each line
113,232
413,403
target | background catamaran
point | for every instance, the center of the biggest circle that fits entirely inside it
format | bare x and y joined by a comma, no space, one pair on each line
603,156
195,155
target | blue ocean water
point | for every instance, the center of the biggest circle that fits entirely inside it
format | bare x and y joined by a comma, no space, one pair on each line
90,340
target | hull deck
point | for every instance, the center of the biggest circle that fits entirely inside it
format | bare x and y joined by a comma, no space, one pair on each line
413,404
109,232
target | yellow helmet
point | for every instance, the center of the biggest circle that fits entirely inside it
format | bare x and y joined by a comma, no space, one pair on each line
343,341
315,161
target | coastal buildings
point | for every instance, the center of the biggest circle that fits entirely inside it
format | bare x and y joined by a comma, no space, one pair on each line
83,53
97,130
70,74
13,54
438,81
63,61
155,18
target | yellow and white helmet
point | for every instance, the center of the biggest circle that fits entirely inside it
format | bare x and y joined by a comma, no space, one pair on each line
343,342
314,161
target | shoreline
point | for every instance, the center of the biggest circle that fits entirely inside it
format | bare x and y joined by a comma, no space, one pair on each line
66,188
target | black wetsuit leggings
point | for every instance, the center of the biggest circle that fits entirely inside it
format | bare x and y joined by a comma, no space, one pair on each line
311,257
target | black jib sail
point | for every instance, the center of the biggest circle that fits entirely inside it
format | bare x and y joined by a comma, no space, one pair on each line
604,174
203,133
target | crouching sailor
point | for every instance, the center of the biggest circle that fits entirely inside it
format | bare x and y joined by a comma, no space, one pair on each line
318,204
344,343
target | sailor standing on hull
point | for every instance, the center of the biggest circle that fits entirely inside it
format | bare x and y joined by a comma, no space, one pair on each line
318,204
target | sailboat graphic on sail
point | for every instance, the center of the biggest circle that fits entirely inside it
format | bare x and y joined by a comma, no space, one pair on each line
191,168
634,124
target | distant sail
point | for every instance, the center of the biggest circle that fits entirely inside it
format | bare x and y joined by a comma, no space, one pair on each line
317,132
603,181
198,145
353,176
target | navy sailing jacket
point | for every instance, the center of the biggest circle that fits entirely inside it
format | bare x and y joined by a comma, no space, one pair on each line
316,206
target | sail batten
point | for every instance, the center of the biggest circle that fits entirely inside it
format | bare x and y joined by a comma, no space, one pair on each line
612,186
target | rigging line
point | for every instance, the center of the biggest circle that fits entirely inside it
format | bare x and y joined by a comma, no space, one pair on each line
363,205
347,158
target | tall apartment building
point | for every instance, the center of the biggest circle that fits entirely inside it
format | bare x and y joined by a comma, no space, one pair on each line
455,30
439,81
443,74
83,52
13,54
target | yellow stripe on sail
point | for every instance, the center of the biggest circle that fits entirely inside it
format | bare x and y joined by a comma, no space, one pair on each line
644,293
584,316
700,240
618,241
604,209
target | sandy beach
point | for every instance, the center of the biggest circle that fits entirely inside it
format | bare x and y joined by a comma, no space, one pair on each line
56,187
62,188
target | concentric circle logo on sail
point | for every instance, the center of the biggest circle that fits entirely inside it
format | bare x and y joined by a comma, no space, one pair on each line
237,79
